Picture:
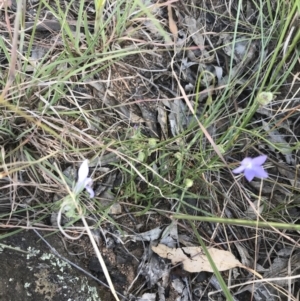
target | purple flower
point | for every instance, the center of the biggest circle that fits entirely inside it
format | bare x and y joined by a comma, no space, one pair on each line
83,180
252,167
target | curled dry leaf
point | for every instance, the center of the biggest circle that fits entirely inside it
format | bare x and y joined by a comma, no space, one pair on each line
194,259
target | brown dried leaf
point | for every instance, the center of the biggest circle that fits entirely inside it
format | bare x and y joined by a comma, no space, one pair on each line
194,259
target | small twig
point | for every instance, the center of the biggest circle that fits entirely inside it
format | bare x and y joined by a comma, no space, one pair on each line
13,60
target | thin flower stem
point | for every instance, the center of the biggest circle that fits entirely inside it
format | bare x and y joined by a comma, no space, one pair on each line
61,228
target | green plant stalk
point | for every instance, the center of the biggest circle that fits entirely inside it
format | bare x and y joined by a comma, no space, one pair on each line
290,68
269,6
156,23
79,23
11,233
31,41
277,49
99,6
37,123
214,267
254,106
237,222
290,49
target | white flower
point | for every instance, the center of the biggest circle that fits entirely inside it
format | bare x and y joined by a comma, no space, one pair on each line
83,180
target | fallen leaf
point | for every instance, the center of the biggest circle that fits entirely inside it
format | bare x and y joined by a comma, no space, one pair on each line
148,235
181,288
197,32
194,259
170,235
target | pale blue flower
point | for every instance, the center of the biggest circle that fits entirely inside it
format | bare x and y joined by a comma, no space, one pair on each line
252,167
83,180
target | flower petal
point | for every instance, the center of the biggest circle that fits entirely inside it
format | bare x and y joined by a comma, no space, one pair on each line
90,191
88,182
239,169
249,174
83,171
246,161
259,160
88,186
260,172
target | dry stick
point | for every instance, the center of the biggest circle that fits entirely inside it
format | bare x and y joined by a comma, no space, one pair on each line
8,22
13,60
